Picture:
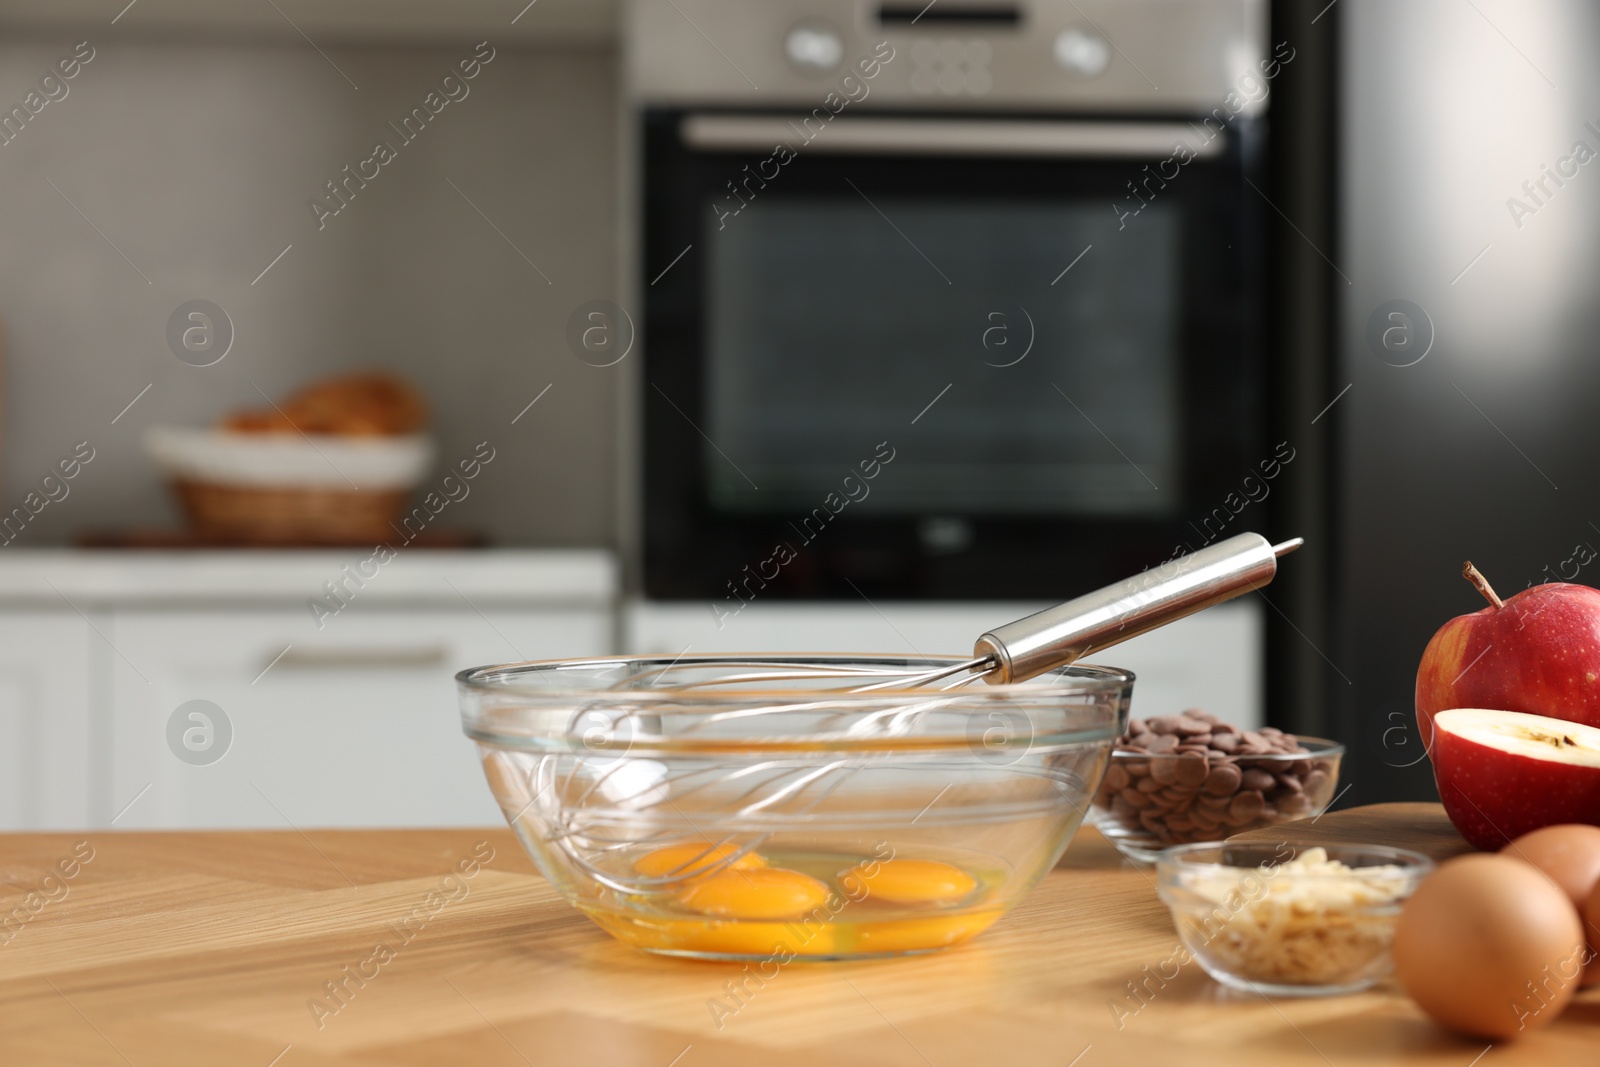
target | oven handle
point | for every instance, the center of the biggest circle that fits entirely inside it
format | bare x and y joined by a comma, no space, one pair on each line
871,135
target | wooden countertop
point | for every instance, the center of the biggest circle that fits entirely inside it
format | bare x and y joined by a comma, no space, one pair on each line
209,948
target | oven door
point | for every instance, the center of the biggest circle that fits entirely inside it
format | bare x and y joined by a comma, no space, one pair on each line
914,357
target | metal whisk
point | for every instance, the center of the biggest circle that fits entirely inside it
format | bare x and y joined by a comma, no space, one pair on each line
1056,636
597,808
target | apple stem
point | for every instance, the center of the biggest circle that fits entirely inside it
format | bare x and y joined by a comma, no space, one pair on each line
1481,584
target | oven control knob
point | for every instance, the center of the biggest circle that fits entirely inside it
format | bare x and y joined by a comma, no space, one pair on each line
814,47
1082,51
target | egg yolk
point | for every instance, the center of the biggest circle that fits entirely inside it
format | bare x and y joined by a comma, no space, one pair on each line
911,881
914,935
736,938
693,859
756,893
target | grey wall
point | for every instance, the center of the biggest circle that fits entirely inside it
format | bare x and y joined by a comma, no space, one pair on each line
197,160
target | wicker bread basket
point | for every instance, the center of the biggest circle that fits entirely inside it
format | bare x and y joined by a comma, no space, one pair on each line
278,516
253,489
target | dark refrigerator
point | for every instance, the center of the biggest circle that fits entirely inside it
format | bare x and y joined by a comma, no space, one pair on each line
1464,373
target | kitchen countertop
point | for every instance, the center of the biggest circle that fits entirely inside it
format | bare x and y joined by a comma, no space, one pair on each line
216,948
91,578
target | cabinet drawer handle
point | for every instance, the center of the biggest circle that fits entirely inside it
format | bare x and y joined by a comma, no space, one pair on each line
312,659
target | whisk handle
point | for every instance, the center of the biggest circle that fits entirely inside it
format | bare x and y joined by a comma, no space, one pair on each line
1165,593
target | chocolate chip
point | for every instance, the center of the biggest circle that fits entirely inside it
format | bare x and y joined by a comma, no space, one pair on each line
1258,779
1161,724
1246,805
1190,727
1294,804
1118,777
1164,771
1227,742
1163,743
1136,799
1151,784
1315,781
1191,769
1222,780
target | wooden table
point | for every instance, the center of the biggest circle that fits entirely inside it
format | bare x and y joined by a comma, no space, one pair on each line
214,949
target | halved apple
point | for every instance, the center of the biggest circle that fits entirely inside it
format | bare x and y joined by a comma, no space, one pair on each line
1503,773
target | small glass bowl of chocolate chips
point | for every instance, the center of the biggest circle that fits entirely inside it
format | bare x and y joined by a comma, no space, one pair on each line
1179,779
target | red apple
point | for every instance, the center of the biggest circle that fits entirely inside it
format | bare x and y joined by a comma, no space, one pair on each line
1504,773
1538,652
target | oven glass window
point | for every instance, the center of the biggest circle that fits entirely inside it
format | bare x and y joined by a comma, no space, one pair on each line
1044,336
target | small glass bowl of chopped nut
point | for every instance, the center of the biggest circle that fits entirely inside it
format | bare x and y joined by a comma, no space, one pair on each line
1183,779
1287,921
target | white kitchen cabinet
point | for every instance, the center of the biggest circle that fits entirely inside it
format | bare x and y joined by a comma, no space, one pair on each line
336,22
352,725
44,720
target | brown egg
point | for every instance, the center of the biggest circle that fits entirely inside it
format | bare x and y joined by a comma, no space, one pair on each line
1591,926
1489,946
1570,855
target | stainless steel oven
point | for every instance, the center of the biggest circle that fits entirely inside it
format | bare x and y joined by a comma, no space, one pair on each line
945,300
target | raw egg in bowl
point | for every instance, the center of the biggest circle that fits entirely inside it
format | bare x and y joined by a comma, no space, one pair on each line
766,807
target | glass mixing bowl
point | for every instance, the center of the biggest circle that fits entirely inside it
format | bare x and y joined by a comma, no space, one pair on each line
1277,920
757,808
